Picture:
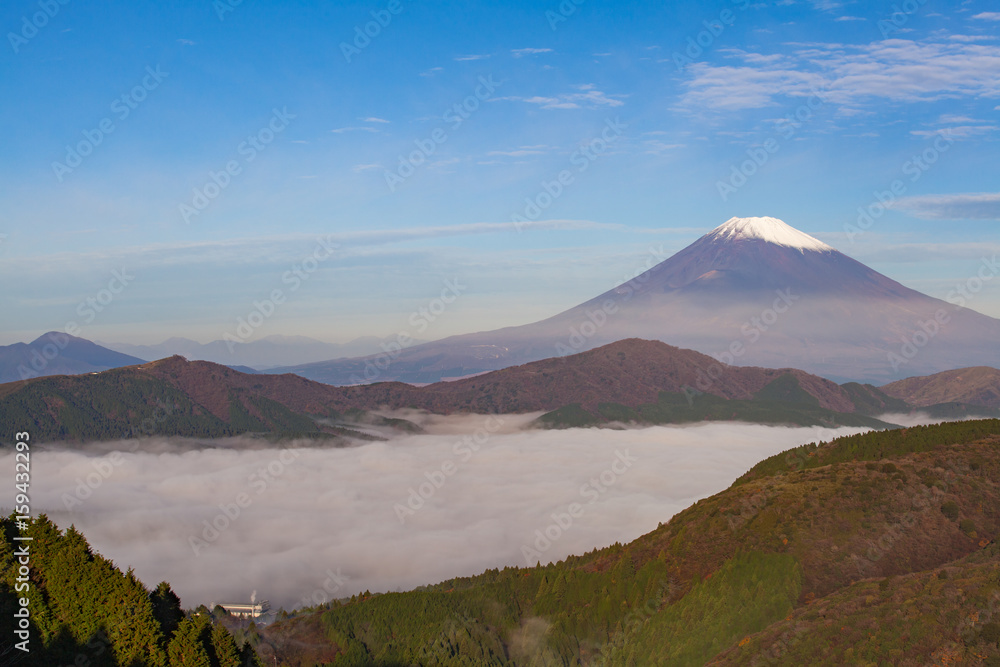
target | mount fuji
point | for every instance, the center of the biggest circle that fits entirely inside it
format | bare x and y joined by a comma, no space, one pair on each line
752,292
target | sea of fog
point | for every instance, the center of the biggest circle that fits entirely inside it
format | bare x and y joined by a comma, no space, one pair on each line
301,525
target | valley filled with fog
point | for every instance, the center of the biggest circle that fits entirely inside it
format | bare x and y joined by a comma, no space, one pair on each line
302,524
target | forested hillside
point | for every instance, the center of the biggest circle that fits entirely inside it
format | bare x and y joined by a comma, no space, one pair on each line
84,611
879,547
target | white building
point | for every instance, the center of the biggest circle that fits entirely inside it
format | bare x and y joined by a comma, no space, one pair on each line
251,610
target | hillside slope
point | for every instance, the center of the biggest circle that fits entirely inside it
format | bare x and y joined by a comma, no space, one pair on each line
83,610
817,528
979,385
172,397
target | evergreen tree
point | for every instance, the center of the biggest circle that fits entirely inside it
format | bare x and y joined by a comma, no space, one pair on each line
227,654
166,609
189,647
249,657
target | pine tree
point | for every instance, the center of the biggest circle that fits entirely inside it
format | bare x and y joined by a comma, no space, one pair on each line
249,657
227,654
166,609
188,647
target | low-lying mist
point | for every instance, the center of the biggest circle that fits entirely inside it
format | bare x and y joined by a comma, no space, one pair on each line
304,524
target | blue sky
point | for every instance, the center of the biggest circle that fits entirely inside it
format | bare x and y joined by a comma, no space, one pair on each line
206,151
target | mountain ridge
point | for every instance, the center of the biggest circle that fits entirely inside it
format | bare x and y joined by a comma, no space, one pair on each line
630,380
266,352
56,353
978,385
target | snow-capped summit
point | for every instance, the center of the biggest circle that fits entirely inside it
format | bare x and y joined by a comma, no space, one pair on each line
767,229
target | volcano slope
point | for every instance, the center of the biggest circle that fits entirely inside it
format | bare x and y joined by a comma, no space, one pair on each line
753,291
874,548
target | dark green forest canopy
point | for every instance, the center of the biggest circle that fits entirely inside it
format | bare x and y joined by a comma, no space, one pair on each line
86,611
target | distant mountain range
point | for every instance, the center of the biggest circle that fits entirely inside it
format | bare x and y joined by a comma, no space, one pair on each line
754,291
56,353
644,382
266,352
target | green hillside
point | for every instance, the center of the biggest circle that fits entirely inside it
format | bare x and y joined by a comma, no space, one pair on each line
854,533
84,611
782,401
124,403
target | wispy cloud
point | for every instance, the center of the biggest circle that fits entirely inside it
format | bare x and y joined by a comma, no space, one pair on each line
972,206
373,119
655,147
358,168
850,18
950,118
523,151
519,53
341,130
988,16
957,131
587,96
278,249
432,71
185,42
971,38
850,76
826,5
474,56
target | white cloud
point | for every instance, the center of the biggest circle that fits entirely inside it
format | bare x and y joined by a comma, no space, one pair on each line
373,119
850,76
657,147
518,53
432,71
341,130
971,38
522,151
472,57
365,167
957,131
966,206
850,18
988,16
949,118
587,96
270,250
